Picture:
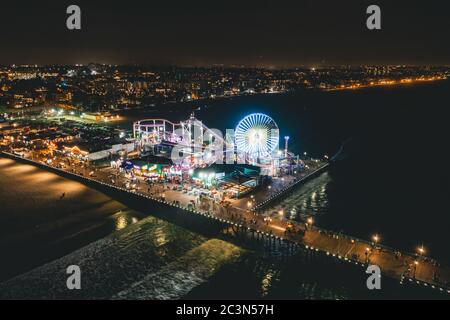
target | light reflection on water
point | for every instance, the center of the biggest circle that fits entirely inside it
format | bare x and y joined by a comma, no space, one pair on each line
124,218
121,222
266,283
309,200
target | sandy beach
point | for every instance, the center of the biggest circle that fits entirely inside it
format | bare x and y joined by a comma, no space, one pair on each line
65,215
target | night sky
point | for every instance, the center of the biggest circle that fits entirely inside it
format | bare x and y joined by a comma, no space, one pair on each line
254,33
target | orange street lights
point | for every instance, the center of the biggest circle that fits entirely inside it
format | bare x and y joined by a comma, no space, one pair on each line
281,213
308,222
421,250
376,239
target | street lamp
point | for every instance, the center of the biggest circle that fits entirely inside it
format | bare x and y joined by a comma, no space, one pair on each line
376,238
421,250
249,204
308,222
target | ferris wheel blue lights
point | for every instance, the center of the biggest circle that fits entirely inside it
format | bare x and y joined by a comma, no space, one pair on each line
257,135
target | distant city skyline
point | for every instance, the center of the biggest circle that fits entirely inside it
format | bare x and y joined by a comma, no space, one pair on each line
199,33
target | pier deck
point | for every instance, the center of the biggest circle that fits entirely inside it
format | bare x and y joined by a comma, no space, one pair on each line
393,263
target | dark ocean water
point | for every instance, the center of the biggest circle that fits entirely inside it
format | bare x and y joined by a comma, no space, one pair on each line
393,181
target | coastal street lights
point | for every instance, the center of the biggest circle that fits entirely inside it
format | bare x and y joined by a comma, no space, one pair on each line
421,250
376,239
309,222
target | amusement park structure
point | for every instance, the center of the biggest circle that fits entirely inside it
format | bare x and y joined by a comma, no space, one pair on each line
255,141
155,131
257,137
190,136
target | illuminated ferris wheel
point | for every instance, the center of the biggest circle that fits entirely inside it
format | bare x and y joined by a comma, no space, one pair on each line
257,135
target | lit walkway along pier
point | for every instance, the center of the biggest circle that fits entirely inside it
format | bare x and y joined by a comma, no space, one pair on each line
393,263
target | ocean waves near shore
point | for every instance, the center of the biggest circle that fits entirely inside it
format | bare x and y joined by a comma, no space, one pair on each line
151,259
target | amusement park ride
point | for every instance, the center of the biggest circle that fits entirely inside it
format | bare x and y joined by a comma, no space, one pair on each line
155,131
190,136
257,137
255,140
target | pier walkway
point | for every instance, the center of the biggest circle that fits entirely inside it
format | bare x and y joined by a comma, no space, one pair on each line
398,265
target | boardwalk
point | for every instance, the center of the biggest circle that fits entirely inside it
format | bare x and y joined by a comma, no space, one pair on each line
393,263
